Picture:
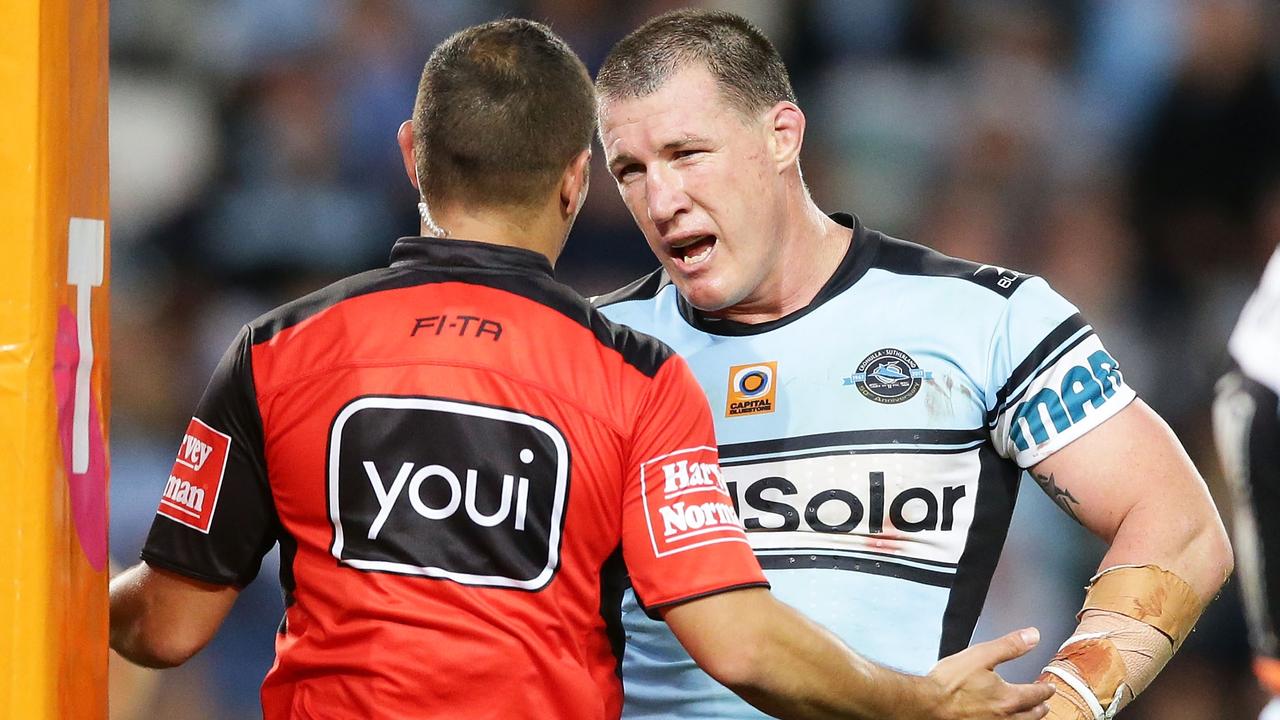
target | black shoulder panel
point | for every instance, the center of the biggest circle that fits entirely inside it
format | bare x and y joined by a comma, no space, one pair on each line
286,316
643,289
645,353
908,258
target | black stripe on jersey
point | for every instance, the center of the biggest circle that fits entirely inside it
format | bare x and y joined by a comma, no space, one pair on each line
993,509
834,452
822,550
1047,352
887,568
907,258
421,261
288,584
613,583
857,437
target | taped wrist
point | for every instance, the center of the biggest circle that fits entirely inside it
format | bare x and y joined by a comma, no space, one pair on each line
1133,620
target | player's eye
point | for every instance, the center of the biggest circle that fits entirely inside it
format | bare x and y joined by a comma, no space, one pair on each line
681,154
628,172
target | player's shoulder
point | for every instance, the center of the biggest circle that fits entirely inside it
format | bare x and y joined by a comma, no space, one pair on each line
903,257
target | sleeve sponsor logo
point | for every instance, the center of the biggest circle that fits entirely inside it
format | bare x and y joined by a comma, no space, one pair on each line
686,503
752,389
191,493
1084,386
449,490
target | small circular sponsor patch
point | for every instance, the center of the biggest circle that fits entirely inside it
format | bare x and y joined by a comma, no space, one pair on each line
888,376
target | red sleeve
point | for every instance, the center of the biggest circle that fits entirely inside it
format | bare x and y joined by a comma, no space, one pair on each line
681,537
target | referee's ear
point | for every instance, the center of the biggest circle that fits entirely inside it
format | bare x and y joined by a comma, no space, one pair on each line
574,183
404,137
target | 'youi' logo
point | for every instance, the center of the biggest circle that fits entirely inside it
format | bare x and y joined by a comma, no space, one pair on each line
447,489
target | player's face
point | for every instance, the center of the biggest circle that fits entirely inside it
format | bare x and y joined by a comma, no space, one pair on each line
698,178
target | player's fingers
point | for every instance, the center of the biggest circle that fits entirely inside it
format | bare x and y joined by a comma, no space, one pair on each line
1034,713
1025,697
1002,649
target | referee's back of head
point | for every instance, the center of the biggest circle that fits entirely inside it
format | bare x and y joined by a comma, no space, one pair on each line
502,109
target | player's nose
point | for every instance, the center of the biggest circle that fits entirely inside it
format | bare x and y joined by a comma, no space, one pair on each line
665,195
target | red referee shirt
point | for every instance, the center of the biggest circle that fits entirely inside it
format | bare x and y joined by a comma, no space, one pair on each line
458,456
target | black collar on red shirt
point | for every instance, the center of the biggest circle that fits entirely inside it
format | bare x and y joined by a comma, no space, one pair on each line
857,260
469,254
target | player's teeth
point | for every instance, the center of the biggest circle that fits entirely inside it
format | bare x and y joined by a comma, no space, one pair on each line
691,259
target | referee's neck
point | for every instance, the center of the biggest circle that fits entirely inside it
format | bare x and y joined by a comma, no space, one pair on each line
528,228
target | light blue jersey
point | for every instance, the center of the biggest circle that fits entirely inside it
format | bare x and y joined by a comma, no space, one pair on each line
873,443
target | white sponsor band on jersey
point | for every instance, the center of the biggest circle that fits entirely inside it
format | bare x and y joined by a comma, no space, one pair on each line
917,505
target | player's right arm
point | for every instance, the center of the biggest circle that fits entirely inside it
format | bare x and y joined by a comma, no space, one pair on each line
691,564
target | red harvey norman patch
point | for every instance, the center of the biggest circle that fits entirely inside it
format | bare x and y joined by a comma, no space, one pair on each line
686,503
191,493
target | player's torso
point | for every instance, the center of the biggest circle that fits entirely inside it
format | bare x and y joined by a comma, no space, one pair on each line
449,494
854,439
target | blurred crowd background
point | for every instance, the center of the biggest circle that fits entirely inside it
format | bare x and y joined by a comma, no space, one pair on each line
1126,150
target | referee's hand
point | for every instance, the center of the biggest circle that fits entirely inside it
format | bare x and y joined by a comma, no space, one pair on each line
970,689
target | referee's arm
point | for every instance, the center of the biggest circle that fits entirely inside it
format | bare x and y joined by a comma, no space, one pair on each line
159,619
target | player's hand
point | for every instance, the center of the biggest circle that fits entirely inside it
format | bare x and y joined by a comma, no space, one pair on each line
970,689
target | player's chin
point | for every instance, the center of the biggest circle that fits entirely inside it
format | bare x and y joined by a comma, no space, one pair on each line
704,294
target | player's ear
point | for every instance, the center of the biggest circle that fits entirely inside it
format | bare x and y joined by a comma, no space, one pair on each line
404,137
574,183
784,123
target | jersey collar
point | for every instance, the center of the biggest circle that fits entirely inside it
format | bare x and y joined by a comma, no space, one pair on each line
469,254
857,260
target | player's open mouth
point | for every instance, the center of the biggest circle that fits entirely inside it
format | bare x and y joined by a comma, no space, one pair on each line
695,250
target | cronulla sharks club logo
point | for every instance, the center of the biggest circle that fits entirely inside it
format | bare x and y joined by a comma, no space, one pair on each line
888,376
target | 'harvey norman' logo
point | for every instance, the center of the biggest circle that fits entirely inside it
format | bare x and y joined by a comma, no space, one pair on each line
191,493
686,502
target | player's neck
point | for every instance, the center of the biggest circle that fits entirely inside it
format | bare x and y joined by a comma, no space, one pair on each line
533,230
812,248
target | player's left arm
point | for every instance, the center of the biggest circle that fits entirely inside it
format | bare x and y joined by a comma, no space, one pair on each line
1130,482
159,619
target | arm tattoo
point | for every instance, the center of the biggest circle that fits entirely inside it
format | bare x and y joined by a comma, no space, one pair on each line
1059,495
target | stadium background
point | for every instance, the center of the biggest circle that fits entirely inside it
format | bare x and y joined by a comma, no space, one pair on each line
1126,150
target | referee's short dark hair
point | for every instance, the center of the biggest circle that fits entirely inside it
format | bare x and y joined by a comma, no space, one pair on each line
501,110
745,64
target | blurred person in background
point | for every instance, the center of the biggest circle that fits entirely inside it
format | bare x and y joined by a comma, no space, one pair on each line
876,401
1246,418
473,616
